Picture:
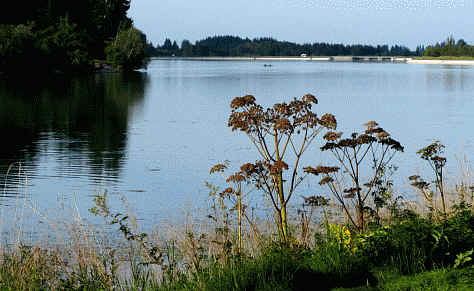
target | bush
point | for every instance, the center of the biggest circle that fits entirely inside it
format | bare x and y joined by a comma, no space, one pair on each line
417,244
127,50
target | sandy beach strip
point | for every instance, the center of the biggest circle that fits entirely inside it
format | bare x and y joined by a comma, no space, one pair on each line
441,62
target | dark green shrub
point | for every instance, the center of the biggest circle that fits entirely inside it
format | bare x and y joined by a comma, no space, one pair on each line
417,244
407,245
459,232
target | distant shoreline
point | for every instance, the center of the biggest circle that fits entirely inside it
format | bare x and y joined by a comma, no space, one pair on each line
367,59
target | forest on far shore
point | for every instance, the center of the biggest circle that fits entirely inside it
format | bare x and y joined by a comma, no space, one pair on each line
235,46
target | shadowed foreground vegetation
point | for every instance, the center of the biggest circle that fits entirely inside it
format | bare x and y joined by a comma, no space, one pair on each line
361,236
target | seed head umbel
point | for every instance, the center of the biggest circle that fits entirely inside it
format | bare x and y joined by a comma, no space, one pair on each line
283,125
372,130
308,98
218,168
227,191
236,178
371,124
332,136
365,139
278,167
328,121
320,170
394,145
242,101
326,180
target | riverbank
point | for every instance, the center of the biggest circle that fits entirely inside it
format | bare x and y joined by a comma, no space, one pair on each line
406,252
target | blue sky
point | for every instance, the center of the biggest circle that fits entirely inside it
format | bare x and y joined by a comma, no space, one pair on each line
340,21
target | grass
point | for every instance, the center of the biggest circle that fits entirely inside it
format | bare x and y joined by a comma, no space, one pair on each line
439,280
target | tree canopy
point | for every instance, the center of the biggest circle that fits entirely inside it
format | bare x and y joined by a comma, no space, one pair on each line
225,46
450,47
58,34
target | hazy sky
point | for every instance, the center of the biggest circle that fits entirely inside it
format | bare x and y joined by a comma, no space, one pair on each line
407,22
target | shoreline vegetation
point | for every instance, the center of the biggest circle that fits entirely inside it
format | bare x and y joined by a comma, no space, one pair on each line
359,233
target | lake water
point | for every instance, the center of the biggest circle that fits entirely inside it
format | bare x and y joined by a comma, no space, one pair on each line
152,136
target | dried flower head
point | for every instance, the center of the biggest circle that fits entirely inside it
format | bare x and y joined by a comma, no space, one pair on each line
352,190
282,109
218,168
283,125
320,170
326,180
328,121
372,130
439,161
365,139
248,169
332,136
329,146
348,142
242,101
431,150
278,167
420,184
236,178
371,124
394,145
227,192
308,98
382,135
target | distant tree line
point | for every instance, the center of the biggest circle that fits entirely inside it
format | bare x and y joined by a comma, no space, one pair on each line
68,35
226,46
450,47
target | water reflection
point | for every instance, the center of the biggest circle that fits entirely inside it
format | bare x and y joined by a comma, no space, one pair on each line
77,126
450,77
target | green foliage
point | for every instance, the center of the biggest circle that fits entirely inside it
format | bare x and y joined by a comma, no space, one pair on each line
463,258
127,50
450,48
417,244
64,45
16,42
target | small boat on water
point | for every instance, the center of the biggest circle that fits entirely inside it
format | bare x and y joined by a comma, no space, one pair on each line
267,65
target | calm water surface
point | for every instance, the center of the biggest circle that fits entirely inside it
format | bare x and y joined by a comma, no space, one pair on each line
152,136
